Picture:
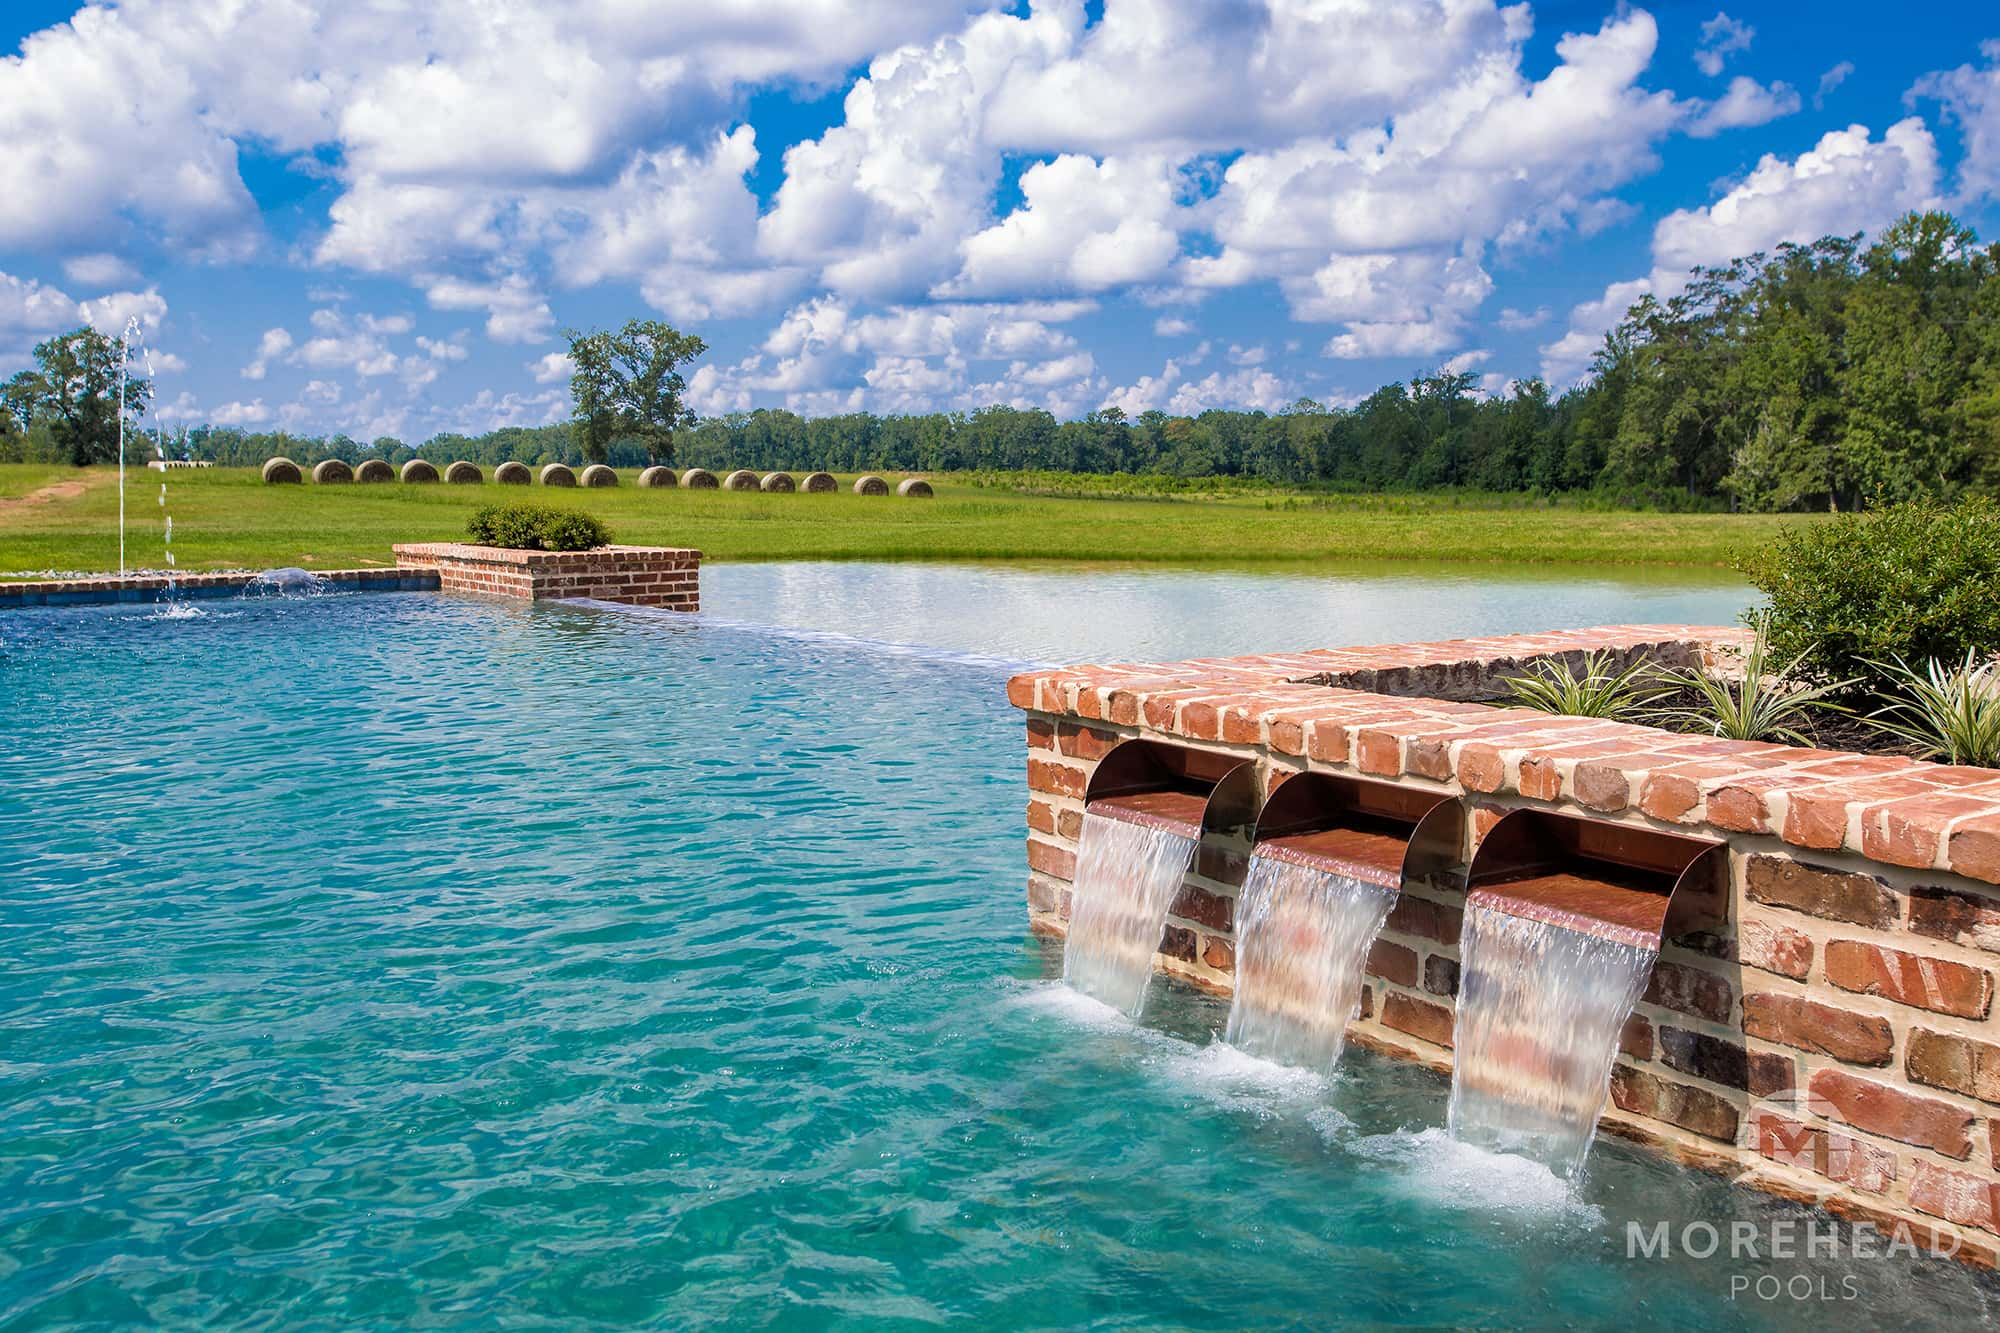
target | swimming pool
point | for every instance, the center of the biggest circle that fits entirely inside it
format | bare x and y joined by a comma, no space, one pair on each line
397,959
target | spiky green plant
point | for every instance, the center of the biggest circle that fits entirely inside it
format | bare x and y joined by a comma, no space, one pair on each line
1949,713
1765,705
1594,689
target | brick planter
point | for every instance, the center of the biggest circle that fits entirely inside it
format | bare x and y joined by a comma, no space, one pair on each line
662,576
1833,1042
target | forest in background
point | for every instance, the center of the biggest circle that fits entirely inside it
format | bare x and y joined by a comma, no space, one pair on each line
1834,375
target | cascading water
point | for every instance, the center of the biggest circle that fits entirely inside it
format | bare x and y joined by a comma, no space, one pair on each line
1540,1009
1127,874
1302,937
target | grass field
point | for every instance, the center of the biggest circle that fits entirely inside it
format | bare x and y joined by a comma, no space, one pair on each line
55,518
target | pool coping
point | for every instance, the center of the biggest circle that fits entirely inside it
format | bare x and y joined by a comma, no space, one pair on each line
106,589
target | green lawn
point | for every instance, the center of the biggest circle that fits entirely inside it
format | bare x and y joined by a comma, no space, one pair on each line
227,518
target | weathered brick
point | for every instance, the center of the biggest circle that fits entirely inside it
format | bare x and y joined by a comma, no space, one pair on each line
1441,975
1218,953
1378,752
1936,984
1086,742
1056,779
1689,990
1953,914
1956,1196
1540,780
1224,865
1879,1108
1636,1038
1051,859
1791,1020
1714,1058
1178,942
1480,767
1830,894
1601,786
1327,742
1669,796
1419,1018
1838,1157
1041,817
1430,757
1775,948
1041,734
1954,1063
1431,920
1199,905
1817,817
1392,962
1694,1109
1975,848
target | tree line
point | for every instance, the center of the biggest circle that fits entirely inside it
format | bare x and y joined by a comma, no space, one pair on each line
1830,375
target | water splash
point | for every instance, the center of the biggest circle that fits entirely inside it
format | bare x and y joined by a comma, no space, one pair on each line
1302,937
1540,1009
290,581
1126,877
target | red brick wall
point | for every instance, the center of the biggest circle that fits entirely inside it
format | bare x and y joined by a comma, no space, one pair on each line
1834,1042
660,576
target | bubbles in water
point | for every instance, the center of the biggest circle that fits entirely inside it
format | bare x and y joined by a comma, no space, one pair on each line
290,581
1126,877
1446,1171
1302,937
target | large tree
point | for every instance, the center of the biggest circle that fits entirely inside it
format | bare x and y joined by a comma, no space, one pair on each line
628,385
74,390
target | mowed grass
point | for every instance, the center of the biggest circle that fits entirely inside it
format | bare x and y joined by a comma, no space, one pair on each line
226,518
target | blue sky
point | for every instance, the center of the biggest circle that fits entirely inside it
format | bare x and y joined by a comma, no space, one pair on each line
378,219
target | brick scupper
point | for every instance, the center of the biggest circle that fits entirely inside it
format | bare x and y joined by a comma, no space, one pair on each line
1833,1040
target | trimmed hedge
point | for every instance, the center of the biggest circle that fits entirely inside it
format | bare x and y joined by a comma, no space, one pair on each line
533,527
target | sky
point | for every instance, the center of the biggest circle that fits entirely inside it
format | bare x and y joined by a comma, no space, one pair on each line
378,218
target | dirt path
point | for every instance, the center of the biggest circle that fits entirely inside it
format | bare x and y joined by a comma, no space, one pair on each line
55,490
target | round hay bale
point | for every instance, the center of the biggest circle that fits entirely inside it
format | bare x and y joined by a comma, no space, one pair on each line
463,473
282,472
513,474
778,483
374,470
657,478
698,479
742,479
599,475
417,471
915,488
555,474
331,471
870,485
819,483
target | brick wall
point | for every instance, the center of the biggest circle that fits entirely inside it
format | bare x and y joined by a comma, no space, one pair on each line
661,576
107,588
1833,1042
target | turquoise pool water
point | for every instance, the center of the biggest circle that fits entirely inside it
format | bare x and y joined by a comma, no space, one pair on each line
397,960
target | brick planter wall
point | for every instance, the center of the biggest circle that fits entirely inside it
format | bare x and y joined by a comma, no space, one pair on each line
103,588
1835,1042
662,576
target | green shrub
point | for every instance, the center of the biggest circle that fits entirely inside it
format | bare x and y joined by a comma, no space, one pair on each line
1915,582
533,527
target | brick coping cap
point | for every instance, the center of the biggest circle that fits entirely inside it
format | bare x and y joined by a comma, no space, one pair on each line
1320,707
504,555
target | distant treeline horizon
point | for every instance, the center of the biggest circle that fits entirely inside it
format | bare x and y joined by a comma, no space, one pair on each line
1824,376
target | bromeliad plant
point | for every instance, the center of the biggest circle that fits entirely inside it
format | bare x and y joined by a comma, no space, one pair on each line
1949,713
1765,705
1593,689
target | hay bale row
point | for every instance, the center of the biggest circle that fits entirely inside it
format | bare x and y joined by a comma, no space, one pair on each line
284,472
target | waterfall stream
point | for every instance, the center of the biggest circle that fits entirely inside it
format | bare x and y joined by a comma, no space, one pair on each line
1127,875
1302,937
1540,1010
